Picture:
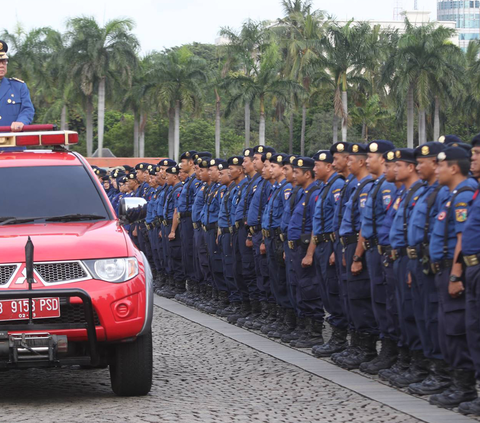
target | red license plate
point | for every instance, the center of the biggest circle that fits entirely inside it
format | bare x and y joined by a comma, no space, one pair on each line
43,308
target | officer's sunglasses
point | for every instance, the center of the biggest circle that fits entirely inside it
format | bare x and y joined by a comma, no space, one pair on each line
4,62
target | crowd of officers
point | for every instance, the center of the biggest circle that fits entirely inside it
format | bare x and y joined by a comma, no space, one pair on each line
382,243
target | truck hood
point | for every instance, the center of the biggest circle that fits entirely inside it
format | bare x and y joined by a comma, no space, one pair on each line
63,241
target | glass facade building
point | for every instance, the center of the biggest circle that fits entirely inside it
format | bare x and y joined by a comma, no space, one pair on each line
465,14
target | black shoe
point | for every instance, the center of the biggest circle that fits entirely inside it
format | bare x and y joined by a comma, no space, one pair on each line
462,390
277,320
245,310
438,380
385,360
471,407
352,349
261,320
417,372
313,335
401,365
232,308
367,351
337,343
296,333
288,325
255,312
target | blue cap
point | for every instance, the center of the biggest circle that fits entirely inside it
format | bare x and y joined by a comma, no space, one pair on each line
289,160
173,170
476,140
339,147
267,156
220,163
142,166
453,153
235,161
357,149
429,149
262,149
248,152
279,159
167,162
323,156
449,139
380,146
405,155
304,163
389,156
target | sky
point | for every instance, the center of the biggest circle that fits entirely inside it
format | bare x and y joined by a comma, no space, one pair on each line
167,23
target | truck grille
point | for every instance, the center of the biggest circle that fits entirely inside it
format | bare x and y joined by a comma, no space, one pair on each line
60,272
6,272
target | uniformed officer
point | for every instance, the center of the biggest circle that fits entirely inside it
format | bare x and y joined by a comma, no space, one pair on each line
150,219
471,257
378,201
271,221
322,239
448,140
16,108
405,172
424,292
299,232
445,249
358,292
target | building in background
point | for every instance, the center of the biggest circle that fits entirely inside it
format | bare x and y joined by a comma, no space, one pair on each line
465,14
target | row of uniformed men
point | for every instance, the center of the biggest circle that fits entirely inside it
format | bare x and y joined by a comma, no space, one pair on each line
368,233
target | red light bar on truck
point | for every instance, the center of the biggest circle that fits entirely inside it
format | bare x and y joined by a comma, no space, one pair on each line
30,139
31,128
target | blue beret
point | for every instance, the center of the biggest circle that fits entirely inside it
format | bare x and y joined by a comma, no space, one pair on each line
132,175
279,158
220,163
323,156
339,147
405,155
235,161
128,168
188,155
248,152
356,149
453,153
429,149
304,163
389,156
203,163
267,156
142,166
167,162
449,139
100,172
153,170
173,170
289,160
476,140
262,149
380,146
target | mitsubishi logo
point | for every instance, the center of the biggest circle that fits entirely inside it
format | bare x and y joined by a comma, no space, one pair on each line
23,278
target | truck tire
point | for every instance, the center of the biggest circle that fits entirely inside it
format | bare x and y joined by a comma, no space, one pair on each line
132,367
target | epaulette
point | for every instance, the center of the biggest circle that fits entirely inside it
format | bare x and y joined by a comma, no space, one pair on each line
16,79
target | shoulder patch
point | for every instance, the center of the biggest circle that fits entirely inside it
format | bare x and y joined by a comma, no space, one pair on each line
336,190
397,203
461,215
18,80
461,205
387,199
442,215
287,194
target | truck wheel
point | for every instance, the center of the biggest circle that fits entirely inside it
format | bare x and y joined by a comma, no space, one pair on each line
132,367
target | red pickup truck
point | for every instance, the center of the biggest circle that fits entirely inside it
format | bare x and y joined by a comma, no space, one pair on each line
74,289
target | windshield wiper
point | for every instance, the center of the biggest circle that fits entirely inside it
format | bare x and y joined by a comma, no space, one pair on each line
13,220
72,217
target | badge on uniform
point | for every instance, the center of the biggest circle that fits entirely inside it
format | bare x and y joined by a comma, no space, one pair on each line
442,215
287,194
254,188
461,215
387,199
336,196
363,201
397,203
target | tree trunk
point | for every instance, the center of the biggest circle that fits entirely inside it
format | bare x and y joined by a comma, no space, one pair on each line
261,130
247,124
135,135
345,118
436,122
422,127
141,137
101,114
290,141
410,120
335,128
89,126
171,128
364,131
176,144
63,118
217,125
302,135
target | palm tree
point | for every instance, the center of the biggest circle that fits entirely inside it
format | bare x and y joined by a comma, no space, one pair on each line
179,75
369,114
100,56
348,49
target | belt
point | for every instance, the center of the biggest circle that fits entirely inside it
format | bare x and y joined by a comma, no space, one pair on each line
226,230
254,229
349,239
282,237
197,225
398,252
167,222
326,237
370,243
472,260
185,214
239,223
384,249
438,266
209,227
267,233
149,226
412,253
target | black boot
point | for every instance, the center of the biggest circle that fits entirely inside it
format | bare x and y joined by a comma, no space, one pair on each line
337,343
203,304
276,321
297,332
471,407
367,351
168,290
386,358
463,389
400,366
351,350
312,337
287,327
245,310
182,297
202,295
232,308
257,323
215,302
256,311
417,372
437,381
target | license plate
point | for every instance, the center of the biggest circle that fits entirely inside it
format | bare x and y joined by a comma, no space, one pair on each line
43,308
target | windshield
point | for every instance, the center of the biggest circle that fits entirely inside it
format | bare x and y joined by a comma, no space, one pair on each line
48,191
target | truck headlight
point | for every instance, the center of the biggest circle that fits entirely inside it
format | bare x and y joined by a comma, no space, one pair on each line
113,270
